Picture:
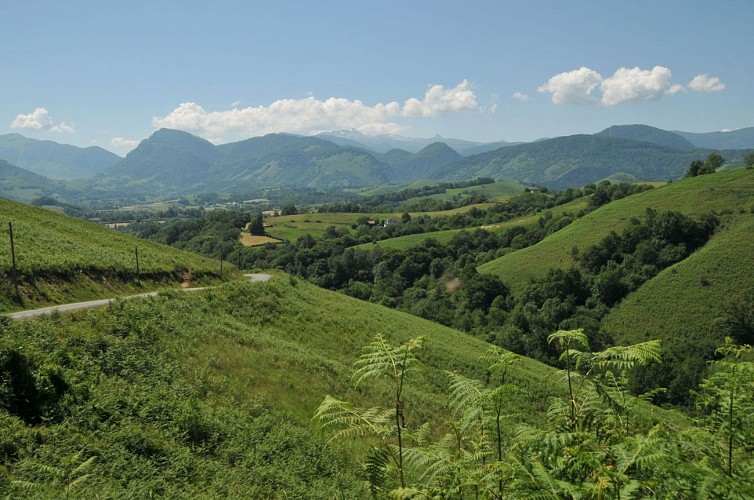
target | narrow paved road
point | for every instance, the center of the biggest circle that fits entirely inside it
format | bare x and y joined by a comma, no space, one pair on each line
33,313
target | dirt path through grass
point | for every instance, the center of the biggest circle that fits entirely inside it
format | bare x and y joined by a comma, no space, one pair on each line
34,313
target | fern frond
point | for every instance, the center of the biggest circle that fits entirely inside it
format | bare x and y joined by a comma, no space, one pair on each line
26,485
565,339
466,397
353,421
375,468
409,494
73,484
499,360
382,359
84,466
642,451
621,358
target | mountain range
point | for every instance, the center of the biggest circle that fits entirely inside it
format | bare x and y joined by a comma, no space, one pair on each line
54,160
172,162
382,143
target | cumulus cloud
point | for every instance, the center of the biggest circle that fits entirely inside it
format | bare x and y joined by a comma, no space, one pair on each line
120,142
706,83
586,86
636,84
573,87
520,96
311,115
438,100
40,119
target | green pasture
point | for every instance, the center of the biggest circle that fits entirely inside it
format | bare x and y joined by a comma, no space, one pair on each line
403,242
292,227
498,191
720,192
51,247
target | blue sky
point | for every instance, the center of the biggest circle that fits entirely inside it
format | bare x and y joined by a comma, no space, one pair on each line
109,74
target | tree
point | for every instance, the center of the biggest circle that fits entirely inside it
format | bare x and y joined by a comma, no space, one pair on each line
256,226
694,168
713,162
749,160
289,209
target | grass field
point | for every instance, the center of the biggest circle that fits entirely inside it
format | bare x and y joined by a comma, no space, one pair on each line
292,227
498,191
723,191
250,240
54,252
696,287
211,394
403,242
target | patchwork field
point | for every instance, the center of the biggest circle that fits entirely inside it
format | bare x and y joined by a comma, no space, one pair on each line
403,242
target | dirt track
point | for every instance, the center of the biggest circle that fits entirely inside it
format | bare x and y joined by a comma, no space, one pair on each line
34,313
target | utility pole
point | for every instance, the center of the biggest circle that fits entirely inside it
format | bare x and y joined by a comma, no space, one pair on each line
138,274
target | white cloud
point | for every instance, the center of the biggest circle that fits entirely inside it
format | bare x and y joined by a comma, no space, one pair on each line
584,86
705,83
636,84
311,115
438,100
40,119
63,127
120,142
520,96
573,87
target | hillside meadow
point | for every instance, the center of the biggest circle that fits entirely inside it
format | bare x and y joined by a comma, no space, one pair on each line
60,259
212,393
403,242
292,227
730,191
685,305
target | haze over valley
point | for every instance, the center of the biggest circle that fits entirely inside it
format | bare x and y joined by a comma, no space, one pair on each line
388,250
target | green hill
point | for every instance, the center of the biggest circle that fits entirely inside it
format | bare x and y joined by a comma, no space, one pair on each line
574,161
742,138
421,164
54,160
212,393
21,184
169,160
731,190
403,242
648,134
684,305
61,259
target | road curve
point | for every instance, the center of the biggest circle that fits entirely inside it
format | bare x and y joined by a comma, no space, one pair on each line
34,313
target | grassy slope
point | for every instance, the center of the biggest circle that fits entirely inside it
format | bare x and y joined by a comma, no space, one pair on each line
699,195
494,191
62,259
681,304
403,242
212,393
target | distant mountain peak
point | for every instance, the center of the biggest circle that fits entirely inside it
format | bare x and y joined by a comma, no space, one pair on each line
646,133
54,160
